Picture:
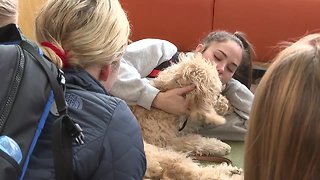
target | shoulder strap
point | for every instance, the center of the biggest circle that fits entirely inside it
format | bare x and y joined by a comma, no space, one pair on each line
57,90
155,72
64,129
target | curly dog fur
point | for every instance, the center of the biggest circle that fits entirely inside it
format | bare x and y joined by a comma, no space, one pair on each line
167,148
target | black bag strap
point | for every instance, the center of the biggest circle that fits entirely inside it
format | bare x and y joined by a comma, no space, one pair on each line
174,60
57,90
64,128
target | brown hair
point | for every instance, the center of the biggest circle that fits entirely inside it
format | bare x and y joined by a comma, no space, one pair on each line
284,124
244,71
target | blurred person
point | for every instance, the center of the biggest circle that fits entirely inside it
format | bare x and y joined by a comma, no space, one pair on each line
284,126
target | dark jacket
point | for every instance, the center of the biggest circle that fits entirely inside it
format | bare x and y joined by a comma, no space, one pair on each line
113,146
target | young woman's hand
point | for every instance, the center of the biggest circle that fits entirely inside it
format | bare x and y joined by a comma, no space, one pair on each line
173,101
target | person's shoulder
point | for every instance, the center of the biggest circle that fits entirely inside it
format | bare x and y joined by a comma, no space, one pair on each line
93,101
118,109
106,111
124,113
150,44
110,103
149,41
234,86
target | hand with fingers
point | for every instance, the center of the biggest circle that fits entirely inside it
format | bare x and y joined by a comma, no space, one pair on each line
173,101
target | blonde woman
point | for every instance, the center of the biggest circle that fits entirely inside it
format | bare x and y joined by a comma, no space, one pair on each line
284,127
87,38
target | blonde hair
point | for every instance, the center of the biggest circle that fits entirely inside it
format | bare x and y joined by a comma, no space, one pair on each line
284,125
8,12
91,32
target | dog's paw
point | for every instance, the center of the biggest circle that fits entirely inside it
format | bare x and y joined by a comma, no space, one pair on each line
234,173
223,149
222,105
214,147
221,171
154,170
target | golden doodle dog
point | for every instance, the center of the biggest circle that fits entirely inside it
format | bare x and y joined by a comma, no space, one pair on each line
167,149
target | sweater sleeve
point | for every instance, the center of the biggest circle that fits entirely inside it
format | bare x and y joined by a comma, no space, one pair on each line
139,59
240,97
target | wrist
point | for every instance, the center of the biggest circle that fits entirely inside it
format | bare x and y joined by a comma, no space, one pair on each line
147,96
156,103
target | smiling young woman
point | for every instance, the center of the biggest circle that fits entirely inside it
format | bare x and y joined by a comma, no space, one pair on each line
230,51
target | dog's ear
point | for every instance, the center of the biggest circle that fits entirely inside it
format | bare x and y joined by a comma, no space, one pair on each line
195,74
168,80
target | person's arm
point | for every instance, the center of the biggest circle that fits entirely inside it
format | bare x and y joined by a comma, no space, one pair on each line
139,59
240,97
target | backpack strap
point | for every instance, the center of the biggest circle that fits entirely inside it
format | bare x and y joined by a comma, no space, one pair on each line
64,128
57,90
